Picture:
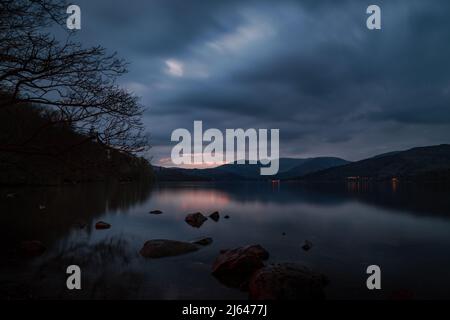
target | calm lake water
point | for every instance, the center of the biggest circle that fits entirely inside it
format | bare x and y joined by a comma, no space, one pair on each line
405,229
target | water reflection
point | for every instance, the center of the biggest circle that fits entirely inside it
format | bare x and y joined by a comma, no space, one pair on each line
403,228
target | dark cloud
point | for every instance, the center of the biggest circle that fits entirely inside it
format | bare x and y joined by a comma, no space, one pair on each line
309,68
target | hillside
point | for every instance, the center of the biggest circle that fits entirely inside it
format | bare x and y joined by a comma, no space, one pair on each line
418,164
34,153
312,165
289,168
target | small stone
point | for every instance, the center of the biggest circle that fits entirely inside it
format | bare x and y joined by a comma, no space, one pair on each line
227,217
195,219
160,248
33,248
203,241
81,224
215,216
156,212
307,246
102,225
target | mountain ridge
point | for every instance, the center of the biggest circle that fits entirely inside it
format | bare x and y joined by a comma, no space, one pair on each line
289,167
429,163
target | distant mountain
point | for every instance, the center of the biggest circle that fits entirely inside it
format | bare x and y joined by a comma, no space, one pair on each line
288,168
418,164
312,165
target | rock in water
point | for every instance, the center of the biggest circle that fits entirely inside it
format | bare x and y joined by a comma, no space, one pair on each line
160,248
215,216
203,241
81,224
287,281
33,248
227,217
102,225
402,294
156,212
234,267
307,246
195,219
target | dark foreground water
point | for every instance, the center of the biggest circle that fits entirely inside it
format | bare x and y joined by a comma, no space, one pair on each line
405,229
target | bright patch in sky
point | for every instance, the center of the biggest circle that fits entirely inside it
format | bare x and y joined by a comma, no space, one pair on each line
174,68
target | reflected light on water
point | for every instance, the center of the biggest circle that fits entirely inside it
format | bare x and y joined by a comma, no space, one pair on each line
195,199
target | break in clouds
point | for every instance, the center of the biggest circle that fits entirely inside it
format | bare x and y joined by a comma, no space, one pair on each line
311,69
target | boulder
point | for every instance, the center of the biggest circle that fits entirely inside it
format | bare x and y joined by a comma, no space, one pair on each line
195,219
160,248
156,212
32,248
215,216
203,241
102,225
234,267
286,281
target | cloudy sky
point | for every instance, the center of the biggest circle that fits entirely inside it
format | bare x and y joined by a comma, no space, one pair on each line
310,68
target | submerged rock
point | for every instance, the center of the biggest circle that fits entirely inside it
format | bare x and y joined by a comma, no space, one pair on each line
32,248
215,216
156,212
102,225
234,267
402,294
203,241
81,224
286,281
195,219
160,248
307,245
227,217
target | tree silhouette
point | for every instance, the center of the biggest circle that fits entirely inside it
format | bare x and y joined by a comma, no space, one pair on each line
74,86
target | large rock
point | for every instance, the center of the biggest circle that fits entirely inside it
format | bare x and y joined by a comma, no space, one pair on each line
234,267
286,281
160,248
32,248
195,219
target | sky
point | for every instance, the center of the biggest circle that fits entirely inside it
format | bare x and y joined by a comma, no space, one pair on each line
311,69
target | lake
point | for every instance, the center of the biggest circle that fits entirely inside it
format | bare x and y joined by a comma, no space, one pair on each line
403,228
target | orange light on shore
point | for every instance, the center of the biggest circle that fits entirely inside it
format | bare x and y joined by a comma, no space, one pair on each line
394,182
